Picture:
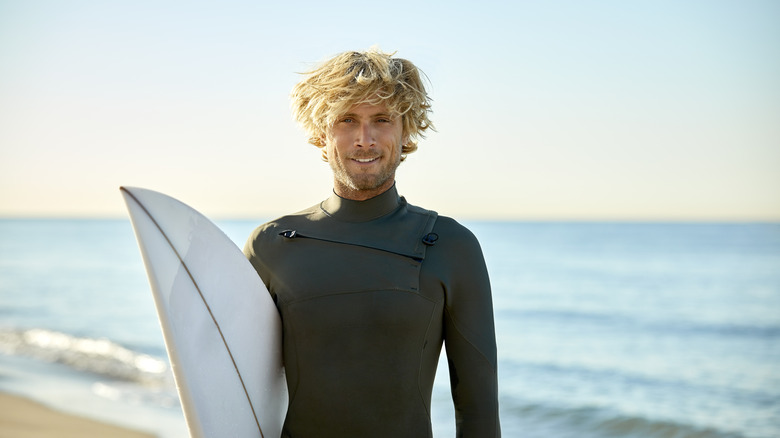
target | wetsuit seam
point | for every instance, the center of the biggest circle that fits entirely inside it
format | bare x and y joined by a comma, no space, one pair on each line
293,394
466,338
382,289
424,228
420,360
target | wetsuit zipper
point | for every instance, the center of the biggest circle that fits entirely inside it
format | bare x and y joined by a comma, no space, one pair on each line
294,234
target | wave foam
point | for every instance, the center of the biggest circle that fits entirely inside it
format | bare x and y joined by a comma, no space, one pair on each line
99,356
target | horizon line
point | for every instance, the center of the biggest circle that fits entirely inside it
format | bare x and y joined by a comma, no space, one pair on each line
460,218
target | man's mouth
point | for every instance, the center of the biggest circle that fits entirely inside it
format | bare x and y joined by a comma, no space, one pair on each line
365,160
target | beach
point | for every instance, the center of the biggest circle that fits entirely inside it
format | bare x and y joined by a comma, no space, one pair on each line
24,418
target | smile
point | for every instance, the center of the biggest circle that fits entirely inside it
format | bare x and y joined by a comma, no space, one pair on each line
365,160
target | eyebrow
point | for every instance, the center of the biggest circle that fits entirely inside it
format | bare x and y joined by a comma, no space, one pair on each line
382,114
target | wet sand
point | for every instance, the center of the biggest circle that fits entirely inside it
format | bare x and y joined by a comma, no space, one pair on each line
23,418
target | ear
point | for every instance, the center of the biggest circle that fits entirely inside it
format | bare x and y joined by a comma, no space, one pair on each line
323,147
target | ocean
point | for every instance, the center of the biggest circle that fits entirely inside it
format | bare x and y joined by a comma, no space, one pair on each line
653,330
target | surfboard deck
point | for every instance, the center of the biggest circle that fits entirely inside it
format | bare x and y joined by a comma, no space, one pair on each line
221,328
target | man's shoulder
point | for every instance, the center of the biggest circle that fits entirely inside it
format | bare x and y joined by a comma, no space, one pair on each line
444,224
454,235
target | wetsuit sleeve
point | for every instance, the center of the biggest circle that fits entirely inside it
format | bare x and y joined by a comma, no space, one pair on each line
470,340
252,254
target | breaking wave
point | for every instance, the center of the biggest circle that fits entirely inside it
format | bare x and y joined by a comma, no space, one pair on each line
98,356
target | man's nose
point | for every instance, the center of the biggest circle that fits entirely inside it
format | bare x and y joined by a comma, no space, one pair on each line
365,136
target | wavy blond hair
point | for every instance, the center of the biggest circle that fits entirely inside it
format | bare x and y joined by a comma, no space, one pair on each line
351,78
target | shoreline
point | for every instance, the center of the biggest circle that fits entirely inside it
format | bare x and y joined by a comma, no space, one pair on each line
37,390
22,417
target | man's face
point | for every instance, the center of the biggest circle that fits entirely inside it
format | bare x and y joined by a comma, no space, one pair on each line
364,150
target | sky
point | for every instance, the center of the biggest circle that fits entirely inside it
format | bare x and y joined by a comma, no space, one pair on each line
554,110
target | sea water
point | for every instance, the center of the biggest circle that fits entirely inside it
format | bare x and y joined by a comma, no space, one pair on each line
603,329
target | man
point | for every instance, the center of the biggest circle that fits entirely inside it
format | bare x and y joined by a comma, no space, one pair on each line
368,286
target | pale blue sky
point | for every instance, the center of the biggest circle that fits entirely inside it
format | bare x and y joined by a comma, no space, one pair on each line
545,110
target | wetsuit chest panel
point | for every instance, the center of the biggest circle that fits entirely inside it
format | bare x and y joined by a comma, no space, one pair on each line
311,268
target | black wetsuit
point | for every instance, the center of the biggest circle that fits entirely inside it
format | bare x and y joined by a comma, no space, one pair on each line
367,292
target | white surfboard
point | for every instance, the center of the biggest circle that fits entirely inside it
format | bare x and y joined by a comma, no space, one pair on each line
221,328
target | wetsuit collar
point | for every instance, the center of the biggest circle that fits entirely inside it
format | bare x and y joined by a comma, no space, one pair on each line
361,211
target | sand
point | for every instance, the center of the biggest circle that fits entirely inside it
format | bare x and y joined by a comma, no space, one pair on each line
22,418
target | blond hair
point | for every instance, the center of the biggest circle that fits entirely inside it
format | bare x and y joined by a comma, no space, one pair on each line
351,78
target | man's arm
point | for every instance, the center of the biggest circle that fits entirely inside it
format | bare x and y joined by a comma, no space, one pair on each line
470,340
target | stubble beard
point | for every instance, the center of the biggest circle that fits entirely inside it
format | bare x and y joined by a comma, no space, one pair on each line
359,181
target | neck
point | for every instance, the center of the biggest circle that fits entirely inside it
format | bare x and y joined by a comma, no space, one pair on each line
353,194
